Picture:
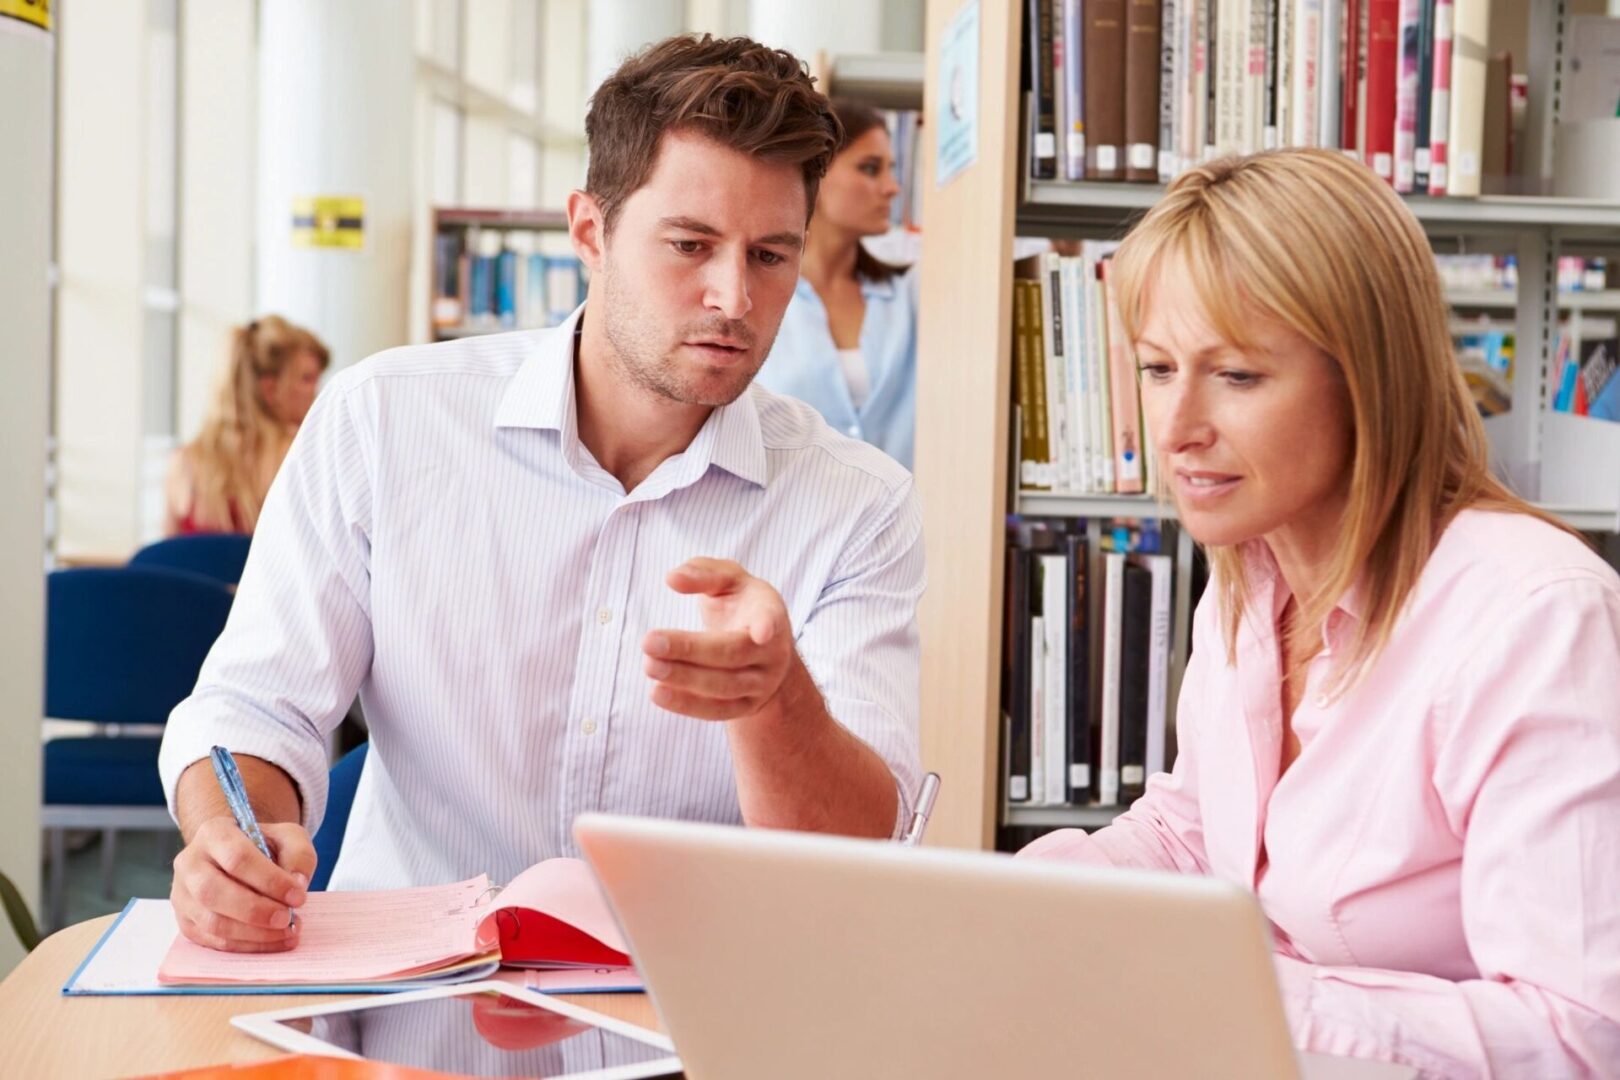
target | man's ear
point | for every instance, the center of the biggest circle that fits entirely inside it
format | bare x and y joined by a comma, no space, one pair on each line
587,229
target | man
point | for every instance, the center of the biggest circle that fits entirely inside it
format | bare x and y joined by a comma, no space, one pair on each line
587,568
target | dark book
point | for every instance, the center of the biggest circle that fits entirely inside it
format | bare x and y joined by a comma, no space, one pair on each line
1043,121
1077,689
1212,80
1425,99
1142,29
1269,135
1016,673
1135,656
1103,45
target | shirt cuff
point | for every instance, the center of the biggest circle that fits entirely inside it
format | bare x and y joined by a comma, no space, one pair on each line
189,737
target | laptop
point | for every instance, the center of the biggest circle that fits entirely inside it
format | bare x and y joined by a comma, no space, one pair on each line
792,955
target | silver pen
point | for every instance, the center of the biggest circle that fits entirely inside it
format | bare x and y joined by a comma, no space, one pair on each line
925,806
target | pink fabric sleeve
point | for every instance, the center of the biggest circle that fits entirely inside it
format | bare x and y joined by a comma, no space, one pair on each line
1528,771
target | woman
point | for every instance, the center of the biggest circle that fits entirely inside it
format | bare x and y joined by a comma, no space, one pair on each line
1400,723
848,342
217,483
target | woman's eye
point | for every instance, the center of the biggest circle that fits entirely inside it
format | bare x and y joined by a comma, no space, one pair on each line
1156,372
1240,378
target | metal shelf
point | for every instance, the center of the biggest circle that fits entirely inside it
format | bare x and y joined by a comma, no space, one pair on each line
1062,203
1069,504
1507,299
1075,817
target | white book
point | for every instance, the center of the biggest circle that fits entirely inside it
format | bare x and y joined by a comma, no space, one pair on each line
1327,75
1231,53
1054,611
1406,96
1108,744
1074,372
1254,79
1101,401
1074,139
1285,72
1305,105
1037,710
1158,688
1169,115
1471,25
1203,66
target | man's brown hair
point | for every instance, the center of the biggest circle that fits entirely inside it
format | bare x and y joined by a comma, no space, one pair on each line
754,99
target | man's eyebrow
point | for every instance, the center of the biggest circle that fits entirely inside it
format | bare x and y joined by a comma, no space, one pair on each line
686,224
793,240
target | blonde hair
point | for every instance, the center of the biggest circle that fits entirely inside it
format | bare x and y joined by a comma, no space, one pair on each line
230,456
1314,241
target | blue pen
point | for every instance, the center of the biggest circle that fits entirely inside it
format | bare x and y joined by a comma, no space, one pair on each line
230,782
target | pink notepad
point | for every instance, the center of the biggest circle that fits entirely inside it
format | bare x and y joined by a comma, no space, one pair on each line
551,915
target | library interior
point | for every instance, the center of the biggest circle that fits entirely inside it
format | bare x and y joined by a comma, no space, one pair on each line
751,538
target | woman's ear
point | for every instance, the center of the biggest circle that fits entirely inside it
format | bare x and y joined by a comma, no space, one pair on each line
269,387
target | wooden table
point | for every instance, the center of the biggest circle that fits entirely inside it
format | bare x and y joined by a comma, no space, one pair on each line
45,1035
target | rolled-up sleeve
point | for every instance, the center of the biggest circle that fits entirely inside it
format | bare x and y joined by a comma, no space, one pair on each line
298,641
860,641
1529,774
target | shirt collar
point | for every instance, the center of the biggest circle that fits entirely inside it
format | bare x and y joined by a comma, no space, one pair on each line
1268,587
541,396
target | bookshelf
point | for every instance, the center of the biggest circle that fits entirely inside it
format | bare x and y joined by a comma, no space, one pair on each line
884,80
1570,464
543,280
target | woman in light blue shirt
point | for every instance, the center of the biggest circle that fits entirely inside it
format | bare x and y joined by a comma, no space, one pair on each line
848,342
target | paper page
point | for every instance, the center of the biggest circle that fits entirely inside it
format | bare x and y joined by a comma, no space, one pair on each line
129,960
601,980
565,889
350,937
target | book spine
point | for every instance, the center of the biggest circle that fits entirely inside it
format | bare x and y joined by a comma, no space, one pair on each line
1142,90
1158,698
1108,729
506,287
1127,409
1169,116
1103,44
1187,61
1355,102
1232,26
1470,39
1077,693
1055,612
1060,99
1307,89
1037,702
1043,125
1024,388
1199,145
1425,97
1256,105
1383,53
1101,396
1440,99
1351,62
1285,72
1074,148
1073,363
1406,96
1136,639
1273,17
1057,412
1016,675
1328,67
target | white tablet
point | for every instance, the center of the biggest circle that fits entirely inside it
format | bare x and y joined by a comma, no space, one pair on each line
475,1029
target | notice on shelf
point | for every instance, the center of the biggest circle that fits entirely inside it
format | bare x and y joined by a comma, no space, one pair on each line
958,145
33,12
328,221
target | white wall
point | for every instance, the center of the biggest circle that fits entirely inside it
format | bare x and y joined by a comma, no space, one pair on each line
25,195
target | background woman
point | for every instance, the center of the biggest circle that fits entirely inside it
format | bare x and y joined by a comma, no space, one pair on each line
217,482
1400,723
848,342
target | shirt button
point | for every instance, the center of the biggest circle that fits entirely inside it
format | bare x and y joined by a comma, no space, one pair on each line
604,616
588,727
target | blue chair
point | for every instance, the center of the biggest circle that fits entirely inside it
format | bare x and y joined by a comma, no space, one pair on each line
328,840
216,555
122,646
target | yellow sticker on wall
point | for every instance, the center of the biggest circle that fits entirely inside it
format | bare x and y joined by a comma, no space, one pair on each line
34,12
328,221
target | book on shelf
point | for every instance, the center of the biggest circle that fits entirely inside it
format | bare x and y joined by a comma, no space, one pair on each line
492,277
1075,384
1149,88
